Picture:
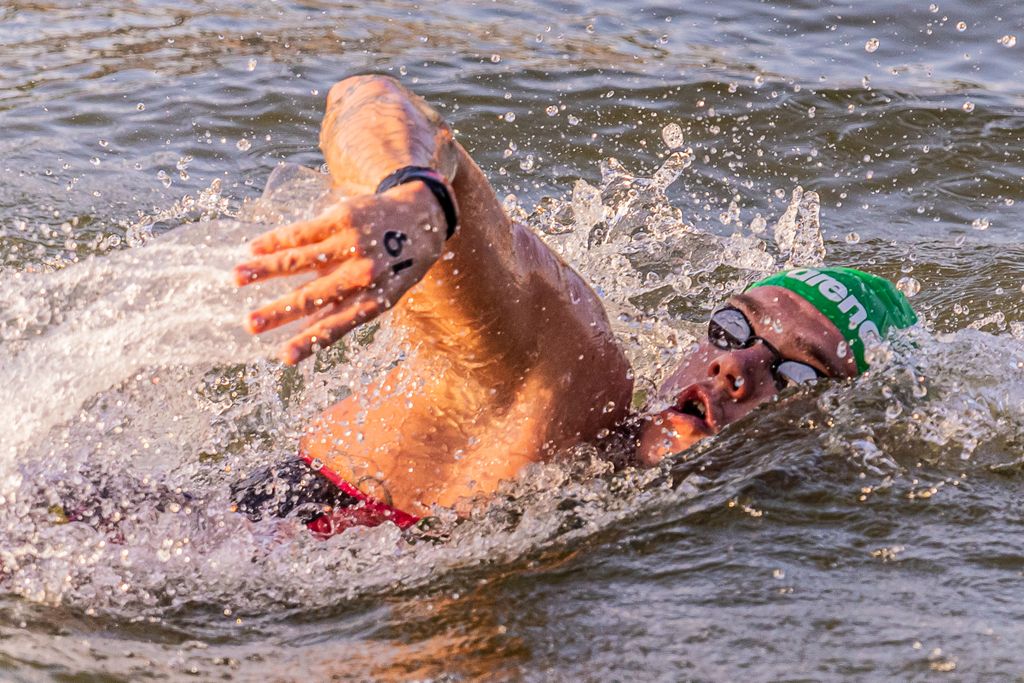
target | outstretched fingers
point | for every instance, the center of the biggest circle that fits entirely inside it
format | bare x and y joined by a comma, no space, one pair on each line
298,259
314,296
303,233
364,306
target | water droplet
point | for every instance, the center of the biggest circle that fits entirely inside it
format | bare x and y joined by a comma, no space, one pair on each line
552,110
94,161
402,70
1008,40
590,28
758,81
968,107
811,112
733,87
495,58
842,349
980,224
510,116
251,66
243,144
909,286
140,106
573,121
527,163
871,45
961,26
672,136
164,179
852,238
933,8
103,143
758,225
316,464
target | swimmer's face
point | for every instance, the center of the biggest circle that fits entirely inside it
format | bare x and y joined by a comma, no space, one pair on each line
720,381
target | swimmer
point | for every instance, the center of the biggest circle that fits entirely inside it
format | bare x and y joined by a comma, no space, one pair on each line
515,361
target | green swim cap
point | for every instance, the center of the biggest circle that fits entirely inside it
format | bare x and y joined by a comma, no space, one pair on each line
863,306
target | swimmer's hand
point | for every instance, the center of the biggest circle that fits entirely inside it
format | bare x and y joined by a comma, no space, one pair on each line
366,250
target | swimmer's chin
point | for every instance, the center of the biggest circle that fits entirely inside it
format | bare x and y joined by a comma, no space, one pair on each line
667,433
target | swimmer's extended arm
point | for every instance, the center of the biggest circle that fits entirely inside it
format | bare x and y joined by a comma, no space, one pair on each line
515,356
366,249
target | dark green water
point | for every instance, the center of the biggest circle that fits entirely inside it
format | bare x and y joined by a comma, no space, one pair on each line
863,532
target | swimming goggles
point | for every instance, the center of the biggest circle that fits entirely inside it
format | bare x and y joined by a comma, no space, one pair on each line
730,329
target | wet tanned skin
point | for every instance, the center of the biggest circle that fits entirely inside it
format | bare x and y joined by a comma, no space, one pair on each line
730,383
514,358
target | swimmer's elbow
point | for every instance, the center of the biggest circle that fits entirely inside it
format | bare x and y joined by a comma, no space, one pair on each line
347,87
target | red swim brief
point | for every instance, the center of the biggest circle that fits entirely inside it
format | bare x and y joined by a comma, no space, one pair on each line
367,511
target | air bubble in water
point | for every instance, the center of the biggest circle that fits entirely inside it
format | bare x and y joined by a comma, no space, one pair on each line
164,178
909,286
980,224
94,161
758,81
573,121
842,349
495,58
1008,41
933,8
758,225
103,143
968,107
552,110
961,26
243,144
527,163
852,238
672,136
251,66
140,106
871,45
510,116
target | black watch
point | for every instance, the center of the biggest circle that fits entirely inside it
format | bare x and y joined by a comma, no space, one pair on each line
437,185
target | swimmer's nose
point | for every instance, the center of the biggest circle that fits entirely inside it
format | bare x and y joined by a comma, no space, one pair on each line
738,372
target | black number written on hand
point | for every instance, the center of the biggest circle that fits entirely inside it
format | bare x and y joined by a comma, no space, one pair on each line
394,242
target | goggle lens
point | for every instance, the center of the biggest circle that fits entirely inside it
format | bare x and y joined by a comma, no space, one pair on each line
730,329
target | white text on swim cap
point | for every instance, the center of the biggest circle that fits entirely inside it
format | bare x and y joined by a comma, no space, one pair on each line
835,291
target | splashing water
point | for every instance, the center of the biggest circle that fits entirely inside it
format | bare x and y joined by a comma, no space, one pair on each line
115,482
798,232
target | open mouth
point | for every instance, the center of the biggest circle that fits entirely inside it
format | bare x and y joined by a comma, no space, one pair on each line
694,403
693,407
